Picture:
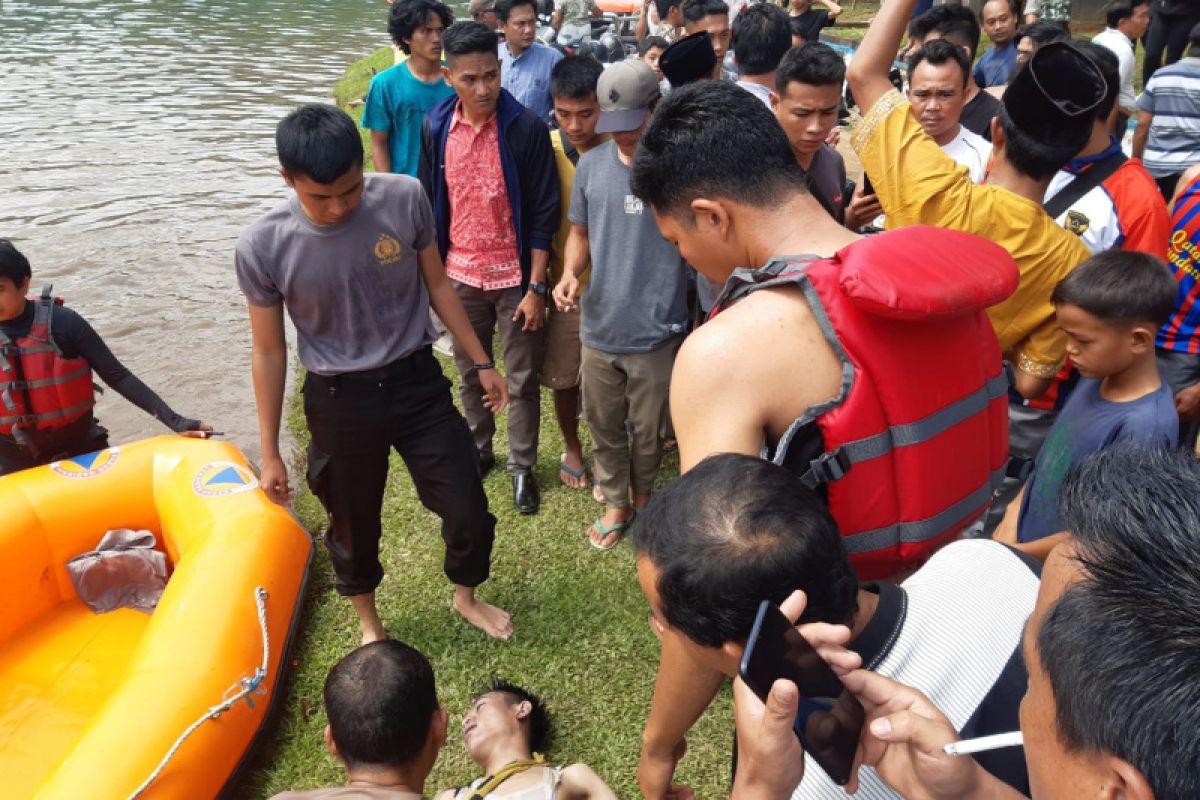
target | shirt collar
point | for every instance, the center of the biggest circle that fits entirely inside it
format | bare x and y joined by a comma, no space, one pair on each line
883,629
460,119
1083,162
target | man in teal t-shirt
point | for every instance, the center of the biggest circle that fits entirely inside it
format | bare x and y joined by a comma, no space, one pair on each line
399,97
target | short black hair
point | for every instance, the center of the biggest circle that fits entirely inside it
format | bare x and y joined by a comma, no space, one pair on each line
504,7
736,530
696,10
651,42
685,152
13,263
319,141
956,24
939,52
575,77
1121,646
380,700
1044,32
812,64
761,36
1028,155
466,38
1120,287
406,16
1121,9
664,8
1014,7
540,730
1105,61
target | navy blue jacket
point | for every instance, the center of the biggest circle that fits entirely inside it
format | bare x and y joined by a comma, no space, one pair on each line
530,176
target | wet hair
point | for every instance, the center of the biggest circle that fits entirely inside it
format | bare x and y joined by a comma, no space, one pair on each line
684,152
318,141
1121,646
1105,61
957,25
736,530
540,730
504,7
1028,155
380,700
1120,287
468,38
575,77
812,64
13,263
1120,10
651,42
696,10
761,36
408,15
664,8
939,52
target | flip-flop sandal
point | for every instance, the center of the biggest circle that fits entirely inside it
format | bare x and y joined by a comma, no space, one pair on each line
577,474
670,445
618,528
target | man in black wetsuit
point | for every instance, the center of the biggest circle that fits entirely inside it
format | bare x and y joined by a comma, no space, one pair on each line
47,356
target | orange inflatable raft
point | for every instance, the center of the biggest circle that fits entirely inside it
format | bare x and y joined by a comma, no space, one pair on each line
619,6
97,705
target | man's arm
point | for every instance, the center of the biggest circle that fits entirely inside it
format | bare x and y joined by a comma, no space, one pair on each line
835,10
268,364
867,74
643,21
576,256
1030,386
380,154
580,782
1141,133
449,308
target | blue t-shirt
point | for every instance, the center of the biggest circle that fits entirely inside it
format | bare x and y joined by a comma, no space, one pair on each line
995,67
1086,424
397,103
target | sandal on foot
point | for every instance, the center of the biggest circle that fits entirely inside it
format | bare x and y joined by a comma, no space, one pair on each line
618,528
577,474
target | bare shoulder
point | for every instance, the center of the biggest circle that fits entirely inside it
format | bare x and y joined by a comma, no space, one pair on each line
755,332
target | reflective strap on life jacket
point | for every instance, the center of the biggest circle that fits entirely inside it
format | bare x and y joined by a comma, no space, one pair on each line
833,465
24,420
926,529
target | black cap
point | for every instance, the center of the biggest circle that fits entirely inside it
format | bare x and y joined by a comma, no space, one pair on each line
1054,98
690,59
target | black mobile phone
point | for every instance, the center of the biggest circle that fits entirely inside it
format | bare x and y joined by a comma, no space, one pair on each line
868,189
830,719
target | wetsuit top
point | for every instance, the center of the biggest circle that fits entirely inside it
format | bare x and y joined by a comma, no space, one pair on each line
76,339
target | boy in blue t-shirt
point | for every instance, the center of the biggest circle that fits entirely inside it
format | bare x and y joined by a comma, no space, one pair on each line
399,97
1111,308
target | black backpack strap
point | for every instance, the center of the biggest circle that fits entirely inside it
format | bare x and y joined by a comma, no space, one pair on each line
1083,183
570,150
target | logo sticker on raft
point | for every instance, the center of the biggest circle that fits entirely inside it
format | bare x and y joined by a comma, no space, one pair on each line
221,478
88,465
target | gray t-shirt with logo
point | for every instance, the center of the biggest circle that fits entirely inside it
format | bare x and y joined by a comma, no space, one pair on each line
354,290
636,299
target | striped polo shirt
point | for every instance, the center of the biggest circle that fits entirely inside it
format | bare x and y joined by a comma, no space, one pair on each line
1173,97
1182,331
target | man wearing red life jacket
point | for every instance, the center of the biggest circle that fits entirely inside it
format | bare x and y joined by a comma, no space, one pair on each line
867,366
47,354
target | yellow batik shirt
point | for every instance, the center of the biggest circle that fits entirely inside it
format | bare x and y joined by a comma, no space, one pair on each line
917,183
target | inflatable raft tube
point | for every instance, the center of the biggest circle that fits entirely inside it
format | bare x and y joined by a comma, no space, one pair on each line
92,704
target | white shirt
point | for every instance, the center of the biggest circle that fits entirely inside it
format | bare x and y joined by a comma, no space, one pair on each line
1121,46
759,91
966,611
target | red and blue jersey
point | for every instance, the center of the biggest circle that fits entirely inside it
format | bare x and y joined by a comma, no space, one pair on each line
1182,331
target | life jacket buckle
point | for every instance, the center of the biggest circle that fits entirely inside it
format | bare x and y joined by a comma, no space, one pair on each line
827,468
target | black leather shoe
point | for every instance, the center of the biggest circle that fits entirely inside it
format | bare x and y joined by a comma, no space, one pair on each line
525,493
487,462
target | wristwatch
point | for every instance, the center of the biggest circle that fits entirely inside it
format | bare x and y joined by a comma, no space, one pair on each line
538,288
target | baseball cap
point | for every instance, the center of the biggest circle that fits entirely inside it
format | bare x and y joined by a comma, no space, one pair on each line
477,7
626,91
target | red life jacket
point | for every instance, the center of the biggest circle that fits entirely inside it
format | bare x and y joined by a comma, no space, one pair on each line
916,441
40,389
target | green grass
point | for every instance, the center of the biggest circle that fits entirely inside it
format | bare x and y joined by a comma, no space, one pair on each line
352,87
581,640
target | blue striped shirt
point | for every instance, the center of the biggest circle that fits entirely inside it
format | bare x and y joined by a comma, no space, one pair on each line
527,77
1173,97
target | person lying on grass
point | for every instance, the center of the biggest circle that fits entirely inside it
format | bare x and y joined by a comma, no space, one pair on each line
506,730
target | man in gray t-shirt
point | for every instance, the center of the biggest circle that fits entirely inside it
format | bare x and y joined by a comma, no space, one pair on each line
354,261
635,308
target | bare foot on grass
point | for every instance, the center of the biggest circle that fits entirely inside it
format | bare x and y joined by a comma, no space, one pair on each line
495,622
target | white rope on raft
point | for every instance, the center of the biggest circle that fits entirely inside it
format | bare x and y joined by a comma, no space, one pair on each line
242,690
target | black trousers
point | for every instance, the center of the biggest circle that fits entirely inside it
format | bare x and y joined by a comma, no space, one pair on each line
355,420
82,436
1168,31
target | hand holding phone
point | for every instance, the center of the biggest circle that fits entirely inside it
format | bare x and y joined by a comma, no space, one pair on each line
830,719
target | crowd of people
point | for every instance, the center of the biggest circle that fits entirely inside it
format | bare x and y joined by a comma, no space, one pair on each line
942,412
